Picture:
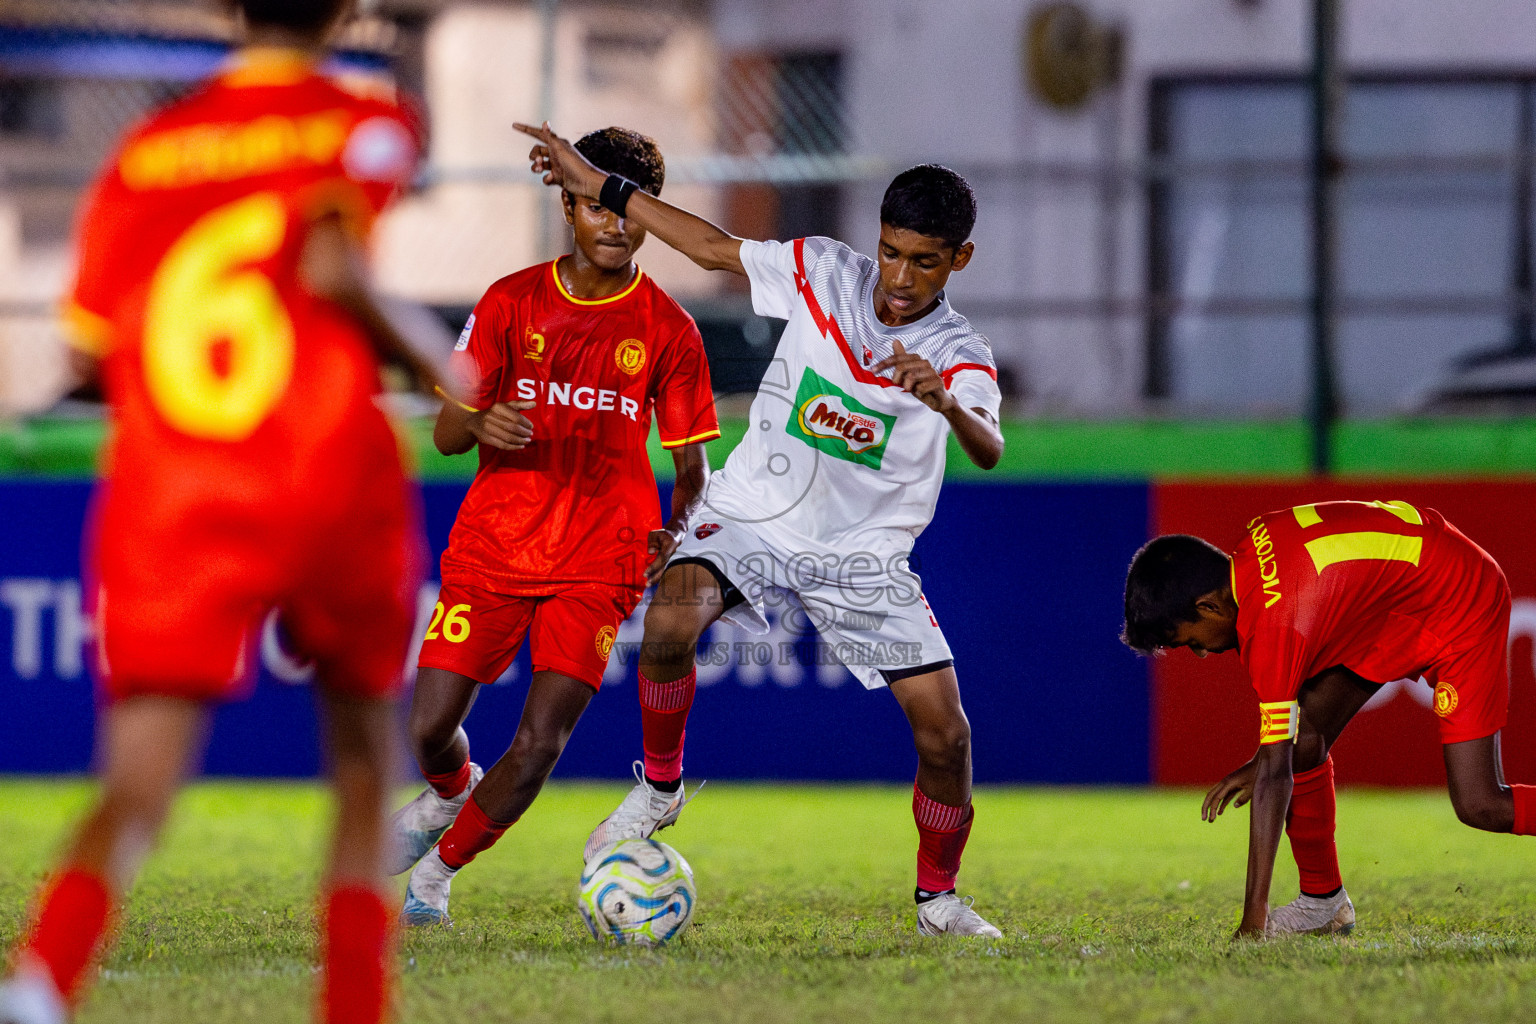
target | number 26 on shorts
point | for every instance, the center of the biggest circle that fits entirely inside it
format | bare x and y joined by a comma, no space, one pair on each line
455,625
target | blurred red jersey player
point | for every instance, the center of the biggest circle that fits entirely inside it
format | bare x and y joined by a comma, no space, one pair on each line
566,363
219,287
1325,603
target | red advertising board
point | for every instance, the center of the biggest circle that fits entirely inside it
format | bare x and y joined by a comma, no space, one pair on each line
1204,712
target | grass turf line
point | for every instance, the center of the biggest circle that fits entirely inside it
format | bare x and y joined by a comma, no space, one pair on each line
1116,904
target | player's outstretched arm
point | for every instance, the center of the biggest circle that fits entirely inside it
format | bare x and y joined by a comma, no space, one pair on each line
333,267
1272,784
707,245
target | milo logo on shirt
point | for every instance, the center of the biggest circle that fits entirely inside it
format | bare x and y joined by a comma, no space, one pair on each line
830,420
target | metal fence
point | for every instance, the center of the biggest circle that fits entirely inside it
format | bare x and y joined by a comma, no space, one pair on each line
1172,283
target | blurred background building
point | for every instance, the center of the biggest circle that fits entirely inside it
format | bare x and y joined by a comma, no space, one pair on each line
1142,168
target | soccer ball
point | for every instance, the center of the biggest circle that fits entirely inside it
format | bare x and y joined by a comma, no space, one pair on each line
636,891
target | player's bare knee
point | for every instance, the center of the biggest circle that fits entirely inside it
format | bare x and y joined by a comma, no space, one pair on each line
946,747
536,750
671,636
430,734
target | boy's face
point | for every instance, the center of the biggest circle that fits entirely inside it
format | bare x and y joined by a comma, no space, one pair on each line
603,237
914,268
1213,632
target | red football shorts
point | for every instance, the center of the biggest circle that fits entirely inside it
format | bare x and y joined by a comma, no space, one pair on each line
476,632
1471,678
179,599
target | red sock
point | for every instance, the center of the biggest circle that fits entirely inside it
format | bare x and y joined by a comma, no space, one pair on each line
357,942
1525,810
72,918
472,832
1310,824
450,784
663,721
941,834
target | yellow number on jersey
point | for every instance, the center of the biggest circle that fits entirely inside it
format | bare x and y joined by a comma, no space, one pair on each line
205,293
1364,544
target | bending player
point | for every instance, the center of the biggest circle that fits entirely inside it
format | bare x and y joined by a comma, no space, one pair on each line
826,498
560,532
1325,603
219,285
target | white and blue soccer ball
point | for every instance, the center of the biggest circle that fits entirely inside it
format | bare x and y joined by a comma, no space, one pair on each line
636,891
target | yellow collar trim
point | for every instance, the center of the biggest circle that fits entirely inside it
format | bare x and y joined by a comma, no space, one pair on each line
268,65
554,270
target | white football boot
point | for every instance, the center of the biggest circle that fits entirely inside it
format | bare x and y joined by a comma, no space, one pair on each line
426,897
418,825
950,915
1313,915
29,997
644,812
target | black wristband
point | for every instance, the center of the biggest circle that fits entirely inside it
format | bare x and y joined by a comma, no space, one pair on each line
616,192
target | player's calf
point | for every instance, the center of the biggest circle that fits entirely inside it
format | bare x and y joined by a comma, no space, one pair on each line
1478,793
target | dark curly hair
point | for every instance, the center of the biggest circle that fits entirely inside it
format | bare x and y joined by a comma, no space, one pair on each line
625,153
299,15
1167,576
933,201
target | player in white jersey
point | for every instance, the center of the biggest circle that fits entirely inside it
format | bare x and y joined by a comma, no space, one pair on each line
837,475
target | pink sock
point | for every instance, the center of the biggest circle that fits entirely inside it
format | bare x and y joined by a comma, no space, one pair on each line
663,723
942,831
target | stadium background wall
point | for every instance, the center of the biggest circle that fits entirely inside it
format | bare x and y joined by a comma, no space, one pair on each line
1026,578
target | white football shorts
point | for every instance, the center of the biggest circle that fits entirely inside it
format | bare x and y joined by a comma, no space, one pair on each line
869,610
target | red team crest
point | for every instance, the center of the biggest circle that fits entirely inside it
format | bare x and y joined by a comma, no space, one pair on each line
706,530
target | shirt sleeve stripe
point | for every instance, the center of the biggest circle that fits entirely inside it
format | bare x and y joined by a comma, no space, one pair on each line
89,332
949,374
1279,721
455,401
708,435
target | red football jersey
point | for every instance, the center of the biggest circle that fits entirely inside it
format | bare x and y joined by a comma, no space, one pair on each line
230,383
1381,588
577,503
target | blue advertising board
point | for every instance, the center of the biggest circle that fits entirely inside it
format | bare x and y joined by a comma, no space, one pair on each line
1026,580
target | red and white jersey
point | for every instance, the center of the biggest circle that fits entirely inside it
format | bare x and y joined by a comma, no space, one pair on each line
576,505
1381,588
231,385
837,454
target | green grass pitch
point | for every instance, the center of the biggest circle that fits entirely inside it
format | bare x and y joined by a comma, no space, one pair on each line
1116,904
